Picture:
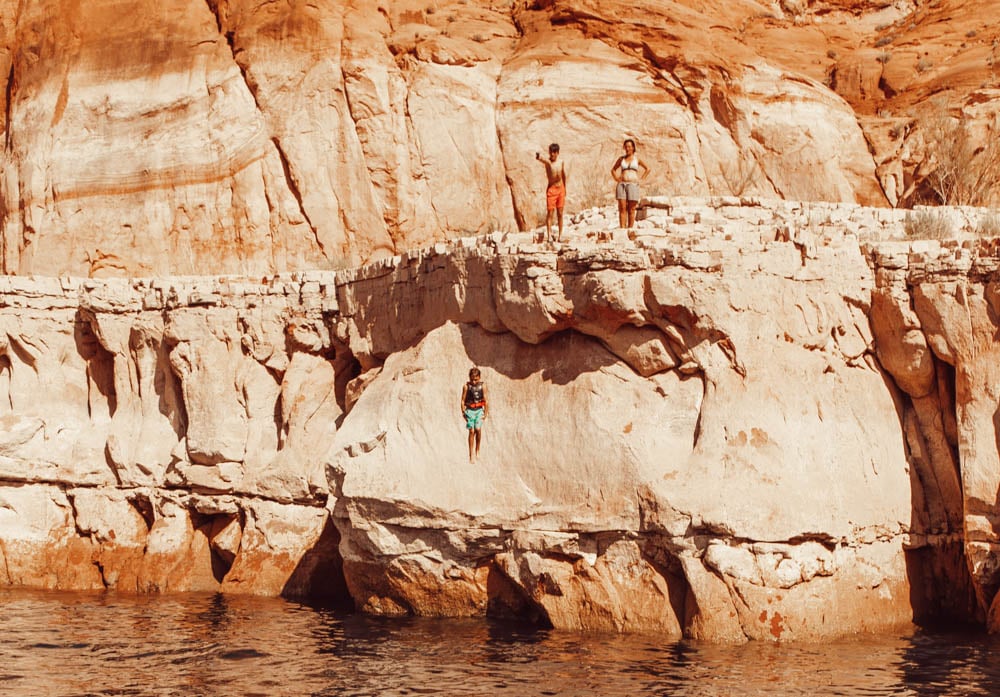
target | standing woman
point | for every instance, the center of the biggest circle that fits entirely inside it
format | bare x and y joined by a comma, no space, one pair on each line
626,173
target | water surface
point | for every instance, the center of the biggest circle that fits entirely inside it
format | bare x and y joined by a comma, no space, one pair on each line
69,644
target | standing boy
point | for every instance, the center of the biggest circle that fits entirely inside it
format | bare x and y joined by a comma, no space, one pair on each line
474,410
555,194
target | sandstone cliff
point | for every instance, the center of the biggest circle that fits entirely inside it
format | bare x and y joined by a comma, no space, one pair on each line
756,419
744,423
188,137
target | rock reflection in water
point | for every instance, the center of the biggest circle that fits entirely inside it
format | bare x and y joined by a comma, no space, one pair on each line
106,644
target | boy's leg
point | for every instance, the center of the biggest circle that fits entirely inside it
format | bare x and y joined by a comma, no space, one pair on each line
472,445
559,212
548,223
479,438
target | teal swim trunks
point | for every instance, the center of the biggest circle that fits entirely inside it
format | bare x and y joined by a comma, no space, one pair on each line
474,418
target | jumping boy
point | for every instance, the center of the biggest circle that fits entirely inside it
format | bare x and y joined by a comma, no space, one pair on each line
555,194
474,410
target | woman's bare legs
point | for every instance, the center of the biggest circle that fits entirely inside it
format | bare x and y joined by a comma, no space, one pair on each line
631,205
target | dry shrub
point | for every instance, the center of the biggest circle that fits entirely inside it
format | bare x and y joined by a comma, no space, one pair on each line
989,225
592,189
739,174
927,225
964,170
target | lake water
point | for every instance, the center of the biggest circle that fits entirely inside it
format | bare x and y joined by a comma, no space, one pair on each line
112,644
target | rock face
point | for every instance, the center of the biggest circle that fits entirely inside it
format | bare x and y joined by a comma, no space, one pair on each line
185,137
742,423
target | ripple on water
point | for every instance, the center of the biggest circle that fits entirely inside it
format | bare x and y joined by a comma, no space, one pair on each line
102,644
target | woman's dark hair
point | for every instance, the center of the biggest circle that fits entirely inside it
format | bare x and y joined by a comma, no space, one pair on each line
627,141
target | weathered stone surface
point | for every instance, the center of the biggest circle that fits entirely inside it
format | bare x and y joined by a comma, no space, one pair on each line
960,326
271,546
39,542
735,421
251,138
758,429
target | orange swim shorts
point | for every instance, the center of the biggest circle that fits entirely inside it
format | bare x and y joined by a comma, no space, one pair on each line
555,197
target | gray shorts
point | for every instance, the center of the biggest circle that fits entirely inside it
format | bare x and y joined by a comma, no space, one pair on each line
628,191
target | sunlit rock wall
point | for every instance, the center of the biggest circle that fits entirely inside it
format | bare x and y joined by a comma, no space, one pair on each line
742,423
191,137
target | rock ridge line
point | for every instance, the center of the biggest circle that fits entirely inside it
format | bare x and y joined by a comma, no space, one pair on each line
744,419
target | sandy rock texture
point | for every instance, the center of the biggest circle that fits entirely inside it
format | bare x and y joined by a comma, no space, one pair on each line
740,422
189,137
136,452
935,323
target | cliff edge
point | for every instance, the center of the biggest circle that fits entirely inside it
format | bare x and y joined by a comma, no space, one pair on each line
750,419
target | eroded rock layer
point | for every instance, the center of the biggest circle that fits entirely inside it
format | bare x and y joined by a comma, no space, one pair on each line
149,138
742,423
